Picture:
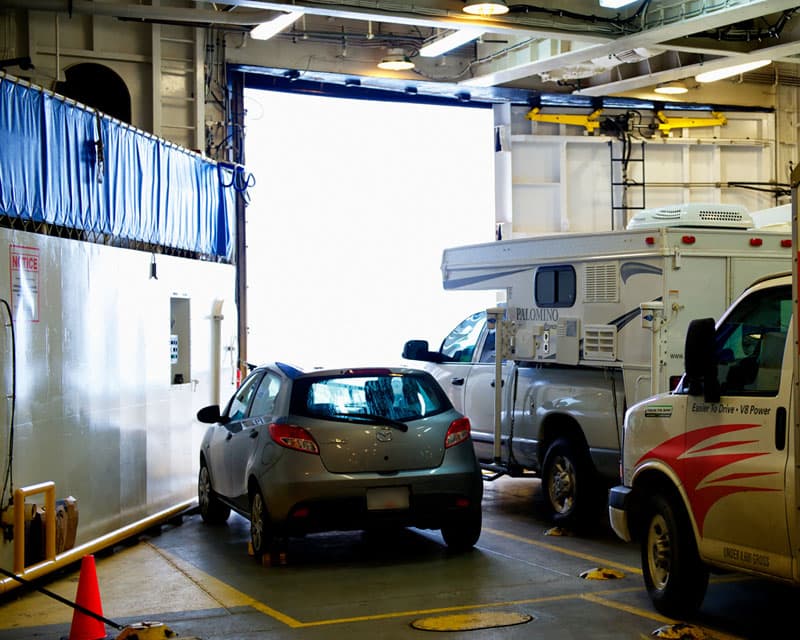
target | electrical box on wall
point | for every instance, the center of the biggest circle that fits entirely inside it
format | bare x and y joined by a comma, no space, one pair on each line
180,341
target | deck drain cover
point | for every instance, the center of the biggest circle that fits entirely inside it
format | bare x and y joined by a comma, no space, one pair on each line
471,621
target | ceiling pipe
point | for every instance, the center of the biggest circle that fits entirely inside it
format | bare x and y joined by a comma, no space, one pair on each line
425,17
144,12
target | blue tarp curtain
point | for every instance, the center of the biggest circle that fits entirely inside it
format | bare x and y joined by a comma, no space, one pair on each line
73,168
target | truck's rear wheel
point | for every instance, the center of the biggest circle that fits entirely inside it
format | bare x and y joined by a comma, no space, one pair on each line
567,483
675,577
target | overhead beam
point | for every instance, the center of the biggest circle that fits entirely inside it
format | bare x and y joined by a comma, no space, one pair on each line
653,37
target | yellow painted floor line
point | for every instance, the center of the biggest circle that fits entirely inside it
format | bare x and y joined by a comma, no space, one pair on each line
651,615
229,596
222,592
569,552
636,611
426,612
200,590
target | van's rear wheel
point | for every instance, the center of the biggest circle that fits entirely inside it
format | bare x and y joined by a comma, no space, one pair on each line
567,483
675,577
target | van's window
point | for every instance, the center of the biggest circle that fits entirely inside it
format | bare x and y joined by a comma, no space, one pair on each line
555,286
750,343
459,345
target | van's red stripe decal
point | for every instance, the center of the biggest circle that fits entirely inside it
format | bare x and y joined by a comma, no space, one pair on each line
694,464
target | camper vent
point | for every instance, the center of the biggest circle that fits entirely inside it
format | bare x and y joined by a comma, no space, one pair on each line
600,342
731,216
601,283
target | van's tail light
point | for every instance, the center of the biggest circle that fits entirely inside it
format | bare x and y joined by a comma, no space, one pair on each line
674,381
457,432
293,437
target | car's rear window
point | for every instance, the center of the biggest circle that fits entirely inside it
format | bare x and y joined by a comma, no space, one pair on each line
396,396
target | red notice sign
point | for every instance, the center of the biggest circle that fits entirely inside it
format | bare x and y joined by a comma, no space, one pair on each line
23,268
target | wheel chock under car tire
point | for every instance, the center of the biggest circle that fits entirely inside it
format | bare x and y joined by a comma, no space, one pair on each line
146,631
272,559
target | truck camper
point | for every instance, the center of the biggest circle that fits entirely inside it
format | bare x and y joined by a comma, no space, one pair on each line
709,471
592,324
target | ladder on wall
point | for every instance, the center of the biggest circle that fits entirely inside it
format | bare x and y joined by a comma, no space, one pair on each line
627,181
178,84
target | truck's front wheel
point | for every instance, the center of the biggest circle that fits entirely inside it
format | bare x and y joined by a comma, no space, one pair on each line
567,483
675,577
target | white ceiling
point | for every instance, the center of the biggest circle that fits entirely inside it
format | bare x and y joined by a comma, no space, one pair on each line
574,46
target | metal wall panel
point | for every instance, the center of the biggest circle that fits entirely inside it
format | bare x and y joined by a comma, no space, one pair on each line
96,410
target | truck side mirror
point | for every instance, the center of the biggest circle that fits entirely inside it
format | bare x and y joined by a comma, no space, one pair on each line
419,350
416,350
700,360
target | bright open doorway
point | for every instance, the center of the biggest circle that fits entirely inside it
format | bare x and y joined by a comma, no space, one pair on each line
353,203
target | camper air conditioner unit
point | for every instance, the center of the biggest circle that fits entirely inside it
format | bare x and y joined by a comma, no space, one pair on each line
721,216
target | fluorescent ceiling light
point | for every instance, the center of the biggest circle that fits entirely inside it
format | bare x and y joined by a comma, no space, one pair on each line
727,72
396,60
615,4
486,7
266,30
671,88
449,42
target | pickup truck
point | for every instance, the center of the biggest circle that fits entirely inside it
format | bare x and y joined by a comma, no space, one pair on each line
560,423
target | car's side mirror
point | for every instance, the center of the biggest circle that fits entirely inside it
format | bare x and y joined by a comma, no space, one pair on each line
210,414
700,360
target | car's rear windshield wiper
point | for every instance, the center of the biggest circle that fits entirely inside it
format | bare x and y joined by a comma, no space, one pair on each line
371,417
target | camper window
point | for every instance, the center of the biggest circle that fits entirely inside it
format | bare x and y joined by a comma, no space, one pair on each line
555,286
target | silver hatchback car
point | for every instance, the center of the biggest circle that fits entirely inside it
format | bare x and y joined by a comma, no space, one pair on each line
300,452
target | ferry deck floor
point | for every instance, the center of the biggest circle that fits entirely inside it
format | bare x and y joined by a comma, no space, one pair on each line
200,582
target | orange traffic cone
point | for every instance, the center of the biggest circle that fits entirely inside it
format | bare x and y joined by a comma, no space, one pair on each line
86,627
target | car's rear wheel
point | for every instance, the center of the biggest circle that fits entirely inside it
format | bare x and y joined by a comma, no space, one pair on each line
461,533
675,577
211,509
260,525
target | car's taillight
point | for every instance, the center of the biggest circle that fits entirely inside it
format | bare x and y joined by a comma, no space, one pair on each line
293,437
457,432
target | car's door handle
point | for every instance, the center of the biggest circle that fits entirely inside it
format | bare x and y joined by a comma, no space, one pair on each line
502,382
457,381
229,436
253,433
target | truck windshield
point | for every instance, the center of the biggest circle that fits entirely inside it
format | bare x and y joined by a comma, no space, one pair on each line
750,343
460,343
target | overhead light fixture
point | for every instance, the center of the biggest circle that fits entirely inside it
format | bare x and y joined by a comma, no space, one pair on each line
615,4
396,60
266,30
486,7
449,42
727,72
671,88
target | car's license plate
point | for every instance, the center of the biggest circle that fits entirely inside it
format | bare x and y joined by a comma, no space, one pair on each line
387,498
